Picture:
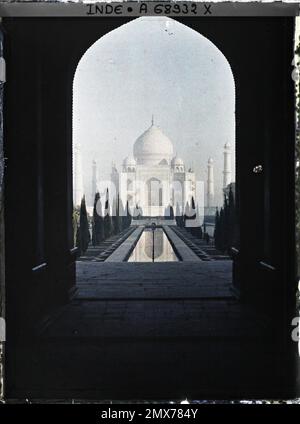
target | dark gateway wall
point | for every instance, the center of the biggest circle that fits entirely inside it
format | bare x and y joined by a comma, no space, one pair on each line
42,55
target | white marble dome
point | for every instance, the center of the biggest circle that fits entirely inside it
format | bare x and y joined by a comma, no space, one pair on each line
176,161
152,147
129,161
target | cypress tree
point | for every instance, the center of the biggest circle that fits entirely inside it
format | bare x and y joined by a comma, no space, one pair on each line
141,211
97,223
84,236
178,215
167,212
75,222
226,224
77,240
193,216
94,221
115,216
121,215
197,229
217,230
171,212
186,213
222,231
137,212
231,219
193,209
182,220
128,215
107,217
200,232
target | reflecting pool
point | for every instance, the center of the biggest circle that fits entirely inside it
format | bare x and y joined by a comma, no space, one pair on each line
144,251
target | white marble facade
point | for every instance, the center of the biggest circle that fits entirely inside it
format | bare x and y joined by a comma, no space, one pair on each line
153,177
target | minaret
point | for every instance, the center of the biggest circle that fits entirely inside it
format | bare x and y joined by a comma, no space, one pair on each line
94,180
227,165
210,183
77,176
114,176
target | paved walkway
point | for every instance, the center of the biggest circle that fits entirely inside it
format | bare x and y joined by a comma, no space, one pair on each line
157,300
158,331
180,319
174,280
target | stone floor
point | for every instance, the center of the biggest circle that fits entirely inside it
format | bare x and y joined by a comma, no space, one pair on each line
153,300
155,280
138,331
160,300
154,331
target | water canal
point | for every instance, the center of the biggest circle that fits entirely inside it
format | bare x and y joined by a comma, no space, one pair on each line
153,246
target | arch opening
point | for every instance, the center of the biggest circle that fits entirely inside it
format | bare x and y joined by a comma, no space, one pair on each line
158,131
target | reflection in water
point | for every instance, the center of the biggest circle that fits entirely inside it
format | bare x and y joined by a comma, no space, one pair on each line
143,251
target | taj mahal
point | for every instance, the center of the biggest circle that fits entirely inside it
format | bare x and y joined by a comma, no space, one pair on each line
154,177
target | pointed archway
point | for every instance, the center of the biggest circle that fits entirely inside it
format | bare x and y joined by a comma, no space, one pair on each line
40,260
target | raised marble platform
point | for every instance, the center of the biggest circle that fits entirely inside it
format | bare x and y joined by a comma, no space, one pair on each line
184,252
149,221
123,251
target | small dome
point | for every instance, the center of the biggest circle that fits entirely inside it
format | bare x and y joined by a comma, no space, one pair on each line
176,161
227,145
152,147
210,161
129,161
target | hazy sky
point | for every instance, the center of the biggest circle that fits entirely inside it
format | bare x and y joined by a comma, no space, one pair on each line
153,65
